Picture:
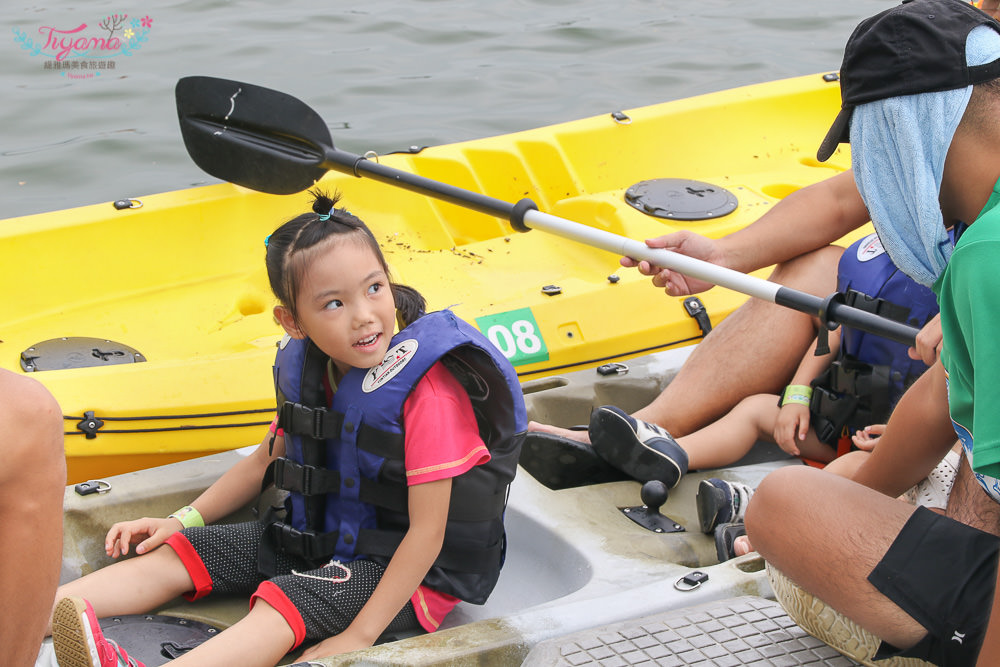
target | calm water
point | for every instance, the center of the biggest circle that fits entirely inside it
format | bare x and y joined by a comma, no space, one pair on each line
384,74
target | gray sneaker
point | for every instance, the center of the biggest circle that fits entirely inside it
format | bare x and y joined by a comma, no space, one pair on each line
721,502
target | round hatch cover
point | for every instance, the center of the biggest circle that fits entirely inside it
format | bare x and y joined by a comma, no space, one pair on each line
681,199
77,352
156,639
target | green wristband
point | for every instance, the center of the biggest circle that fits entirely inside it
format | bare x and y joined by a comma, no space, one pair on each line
798,394
188,516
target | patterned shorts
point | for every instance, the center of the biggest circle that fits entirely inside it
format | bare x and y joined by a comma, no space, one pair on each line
316,603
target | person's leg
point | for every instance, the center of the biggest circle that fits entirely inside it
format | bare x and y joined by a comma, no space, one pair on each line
846,465
219,558
132,586
262,637
827,534
727,440
32,483
753,351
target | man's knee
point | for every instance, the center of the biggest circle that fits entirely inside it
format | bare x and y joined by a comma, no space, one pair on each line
32,422
780,492
814,272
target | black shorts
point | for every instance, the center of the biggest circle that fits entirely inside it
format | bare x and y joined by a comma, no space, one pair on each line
943,574
316,605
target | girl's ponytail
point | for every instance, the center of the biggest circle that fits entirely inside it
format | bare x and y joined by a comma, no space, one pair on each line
410,304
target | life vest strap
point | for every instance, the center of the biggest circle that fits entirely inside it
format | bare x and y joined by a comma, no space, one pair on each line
323,424
876,305
831,412
851,391
305,479
851,377
308,544
316,423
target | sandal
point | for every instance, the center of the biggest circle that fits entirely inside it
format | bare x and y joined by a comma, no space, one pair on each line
725,539
563,463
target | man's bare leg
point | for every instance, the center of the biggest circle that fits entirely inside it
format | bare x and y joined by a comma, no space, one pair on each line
810,524
32,482
753,351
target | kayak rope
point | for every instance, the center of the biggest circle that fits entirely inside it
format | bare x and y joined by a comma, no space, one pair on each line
90,424
172,428
190,416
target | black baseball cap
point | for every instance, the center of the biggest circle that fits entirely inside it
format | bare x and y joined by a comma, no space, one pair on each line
915,47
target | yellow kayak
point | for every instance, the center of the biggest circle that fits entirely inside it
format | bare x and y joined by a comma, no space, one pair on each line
150,319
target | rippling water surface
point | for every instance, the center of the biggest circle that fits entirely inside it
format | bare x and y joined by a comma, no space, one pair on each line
384,74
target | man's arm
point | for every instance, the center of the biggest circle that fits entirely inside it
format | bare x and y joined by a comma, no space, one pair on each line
805,220
808,219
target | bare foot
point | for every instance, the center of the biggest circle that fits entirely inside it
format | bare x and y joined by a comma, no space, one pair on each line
741,545
579,436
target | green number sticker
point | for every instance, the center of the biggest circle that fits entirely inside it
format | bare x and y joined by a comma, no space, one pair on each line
515,333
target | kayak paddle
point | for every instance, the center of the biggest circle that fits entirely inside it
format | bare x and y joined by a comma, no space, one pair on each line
271,142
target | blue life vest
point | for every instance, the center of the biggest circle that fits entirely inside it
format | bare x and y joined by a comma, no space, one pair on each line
343,463
871,372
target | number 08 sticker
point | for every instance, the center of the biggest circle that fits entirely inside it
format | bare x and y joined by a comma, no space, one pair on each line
515,333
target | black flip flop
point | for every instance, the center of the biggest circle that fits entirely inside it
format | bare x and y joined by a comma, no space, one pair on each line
563,463
725,536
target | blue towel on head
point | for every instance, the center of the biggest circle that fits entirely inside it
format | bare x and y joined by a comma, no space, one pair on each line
898,149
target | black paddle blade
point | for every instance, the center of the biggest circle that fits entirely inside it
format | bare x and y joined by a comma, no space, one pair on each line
252,136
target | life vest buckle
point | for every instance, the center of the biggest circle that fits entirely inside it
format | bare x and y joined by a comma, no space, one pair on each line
302,420
299,542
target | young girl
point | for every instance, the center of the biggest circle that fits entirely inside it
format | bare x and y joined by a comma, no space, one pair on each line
385,527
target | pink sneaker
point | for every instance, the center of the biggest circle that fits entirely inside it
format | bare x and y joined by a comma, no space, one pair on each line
78,640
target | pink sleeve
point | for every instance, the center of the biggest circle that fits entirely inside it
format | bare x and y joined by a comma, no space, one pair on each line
442,437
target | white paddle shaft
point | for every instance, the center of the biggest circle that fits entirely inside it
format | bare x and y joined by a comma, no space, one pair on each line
626,247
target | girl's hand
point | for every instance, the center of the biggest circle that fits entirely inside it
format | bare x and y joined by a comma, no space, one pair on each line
866,438
335,645
791,426
148,533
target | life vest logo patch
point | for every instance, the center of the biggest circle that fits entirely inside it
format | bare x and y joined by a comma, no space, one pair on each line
395,360
870,248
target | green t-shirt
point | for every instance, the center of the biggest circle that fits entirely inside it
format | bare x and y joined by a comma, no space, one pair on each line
969,295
